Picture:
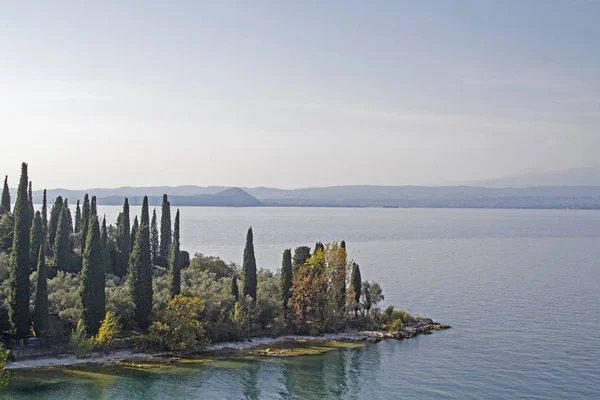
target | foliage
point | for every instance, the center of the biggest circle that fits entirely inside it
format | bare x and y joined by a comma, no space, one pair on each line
244,312
7,232
64,297
41,295
54,216
77,223
355,288
119,302
123,241
336,265
92,279
214,265
270,307
235,291
249,267
80,340
371,295
286,277
175,270
45,220
108,331
179,328
85,220
165,233
309,293
36,239
62,248
134,229
5,201
301,256
154,238
20,264
4,372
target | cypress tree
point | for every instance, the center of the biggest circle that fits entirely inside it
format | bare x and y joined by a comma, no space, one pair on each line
355,285
69,216
286,277
62,249
319,247
94,207
105,250
92,279
175,275
77,227
154,239
124,240
301,256
18,296
134,230
36,239
41,295
5,202
234,289
54,216
249,267
165,232
85,221
45,220
31,212
140,271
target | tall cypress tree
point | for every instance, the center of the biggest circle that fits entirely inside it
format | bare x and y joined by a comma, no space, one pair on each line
165,232
54,216
36,239
5,202
41,295
154,239
18,296
45,220
134,229
62,248
319,246
286,277
85,221
140,271
249,267
234,288
301,256
94,207
105,250
69,216
355,285
124,240
92,279
175,270
77,227
30,197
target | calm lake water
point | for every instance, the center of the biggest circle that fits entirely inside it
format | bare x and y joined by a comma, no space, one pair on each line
519,287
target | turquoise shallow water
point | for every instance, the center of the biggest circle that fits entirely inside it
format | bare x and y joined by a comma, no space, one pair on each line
519,287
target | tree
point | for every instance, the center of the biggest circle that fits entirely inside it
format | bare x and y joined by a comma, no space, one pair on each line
20,264
165,232
62,249
134,229
69,217
337,261
92,279
54,216
45,220
108,331
77,228
36,239
85,221
301,256
175,271
123,240
105,250
286,277
249,267
154,239
94,207
319,246
235,292
309,290
140,271
355,287
4,372
5,202
30,197
41,295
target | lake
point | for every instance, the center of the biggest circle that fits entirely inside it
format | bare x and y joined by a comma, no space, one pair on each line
519,287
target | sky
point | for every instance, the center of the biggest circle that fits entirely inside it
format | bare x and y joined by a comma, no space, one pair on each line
296,94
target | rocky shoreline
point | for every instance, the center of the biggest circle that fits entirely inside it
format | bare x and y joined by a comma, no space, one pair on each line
422,326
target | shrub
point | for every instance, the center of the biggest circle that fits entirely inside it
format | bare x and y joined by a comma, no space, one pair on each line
79,339
396,325
109,330
4,373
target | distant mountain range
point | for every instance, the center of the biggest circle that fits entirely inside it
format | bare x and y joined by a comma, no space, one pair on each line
543,190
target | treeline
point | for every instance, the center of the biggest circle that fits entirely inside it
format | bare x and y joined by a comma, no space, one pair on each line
135,275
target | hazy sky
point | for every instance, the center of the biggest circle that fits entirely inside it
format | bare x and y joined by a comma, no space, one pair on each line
293,94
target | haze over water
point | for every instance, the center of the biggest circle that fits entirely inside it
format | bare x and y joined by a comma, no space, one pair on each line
519,287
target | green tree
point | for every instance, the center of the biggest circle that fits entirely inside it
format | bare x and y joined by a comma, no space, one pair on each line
70,218
286,277
154,239
45,220
5,202
105,250
85,221
249,267
41,295
54,216
165,232
175,270
92,279
134,229
36,239
30,197
108,332
77,227
355,287
94,207
20,264
140,271
4,372
319,246
62,248
123,240
301,256
235,291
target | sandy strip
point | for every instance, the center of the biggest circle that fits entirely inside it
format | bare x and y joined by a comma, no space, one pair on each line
130,355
